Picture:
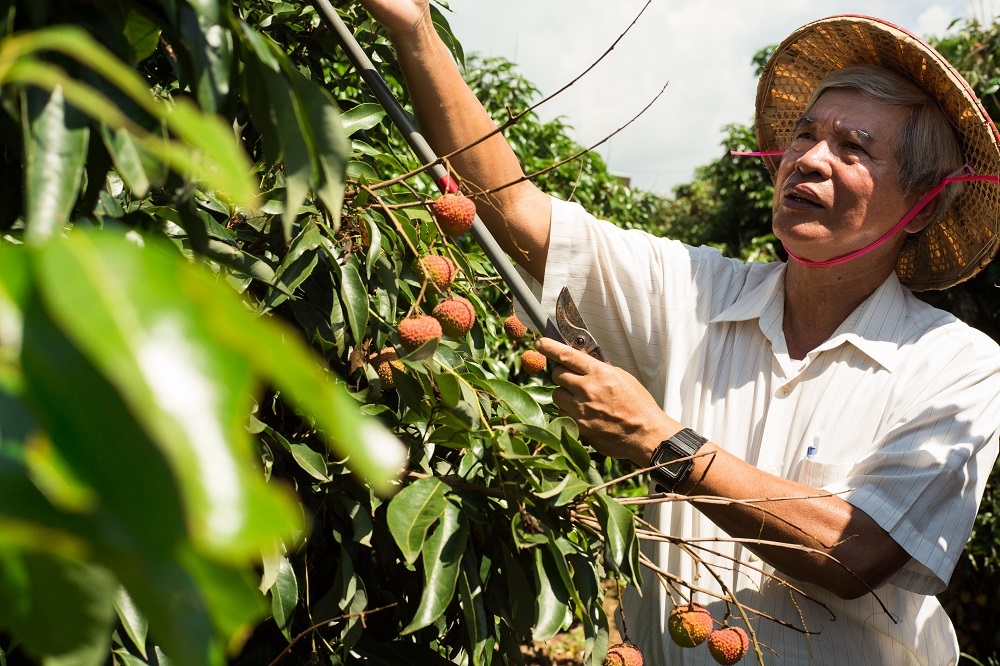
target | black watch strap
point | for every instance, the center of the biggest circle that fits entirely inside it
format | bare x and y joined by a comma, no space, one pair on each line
682,445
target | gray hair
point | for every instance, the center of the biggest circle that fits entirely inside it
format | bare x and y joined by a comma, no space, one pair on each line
928,149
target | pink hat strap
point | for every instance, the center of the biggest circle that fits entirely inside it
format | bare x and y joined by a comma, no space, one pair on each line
887,235
897,227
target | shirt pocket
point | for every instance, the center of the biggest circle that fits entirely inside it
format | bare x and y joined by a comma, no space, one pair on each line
819,473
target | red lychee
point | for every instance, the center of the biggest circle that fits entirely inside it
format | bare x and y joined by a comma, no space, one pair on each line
513,327
623,655
454,213
415,331
533,362
728,645
456,316
689,624
385,361
437,271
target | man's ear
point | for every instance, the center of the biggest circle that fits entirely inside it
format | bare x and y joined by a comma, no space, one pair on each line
925,215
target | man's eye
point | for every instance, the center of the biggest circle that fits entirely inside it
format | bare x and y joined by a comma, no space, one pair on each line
854,147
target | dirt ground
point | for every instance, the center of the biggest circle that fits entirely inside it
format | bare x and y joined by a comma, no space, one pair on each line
567,648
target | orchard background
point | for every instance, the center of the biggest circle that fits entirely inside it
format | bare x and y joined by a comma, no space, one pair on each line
200,261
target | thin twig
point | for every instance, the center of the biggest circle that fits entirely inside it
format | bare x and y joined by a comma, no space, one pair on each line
513,118
325,623
580,153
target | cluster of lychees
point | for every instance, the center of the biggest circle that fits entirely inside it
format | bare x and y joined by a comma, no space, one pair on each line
691,624
453,316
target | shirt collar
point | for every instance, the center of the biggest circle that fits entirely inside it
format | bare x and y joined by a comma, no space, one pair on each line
874,327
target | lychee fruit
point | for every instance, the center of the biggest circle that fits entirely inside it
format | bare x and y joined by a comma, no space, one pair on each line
454,213
513,327
456,316
415,331
533,362
689,624
385,361
623,655
728,645
437,271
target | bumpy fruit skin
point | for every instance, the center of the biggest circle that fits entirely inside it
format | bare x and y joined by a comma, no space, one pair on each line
438,271
689,625
533,362
385,361
454,213
415,331
623,655
513,327
456,316
728,645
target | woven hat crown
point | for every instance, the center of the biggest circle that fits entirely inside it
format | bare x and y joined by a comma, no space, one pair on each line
964,240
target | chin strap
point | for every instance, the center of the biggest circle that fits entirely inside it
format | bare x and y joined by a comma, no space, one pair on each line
894,230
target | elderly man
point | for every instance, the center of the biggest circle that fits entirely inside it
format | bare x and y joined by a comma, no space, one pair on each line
869,419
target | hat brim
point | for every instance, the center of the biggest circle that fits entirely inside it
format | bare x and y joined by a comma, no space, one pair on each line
965,239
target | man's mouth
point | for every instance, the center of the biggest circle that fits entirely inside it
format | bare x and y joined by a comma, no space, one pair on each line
798,200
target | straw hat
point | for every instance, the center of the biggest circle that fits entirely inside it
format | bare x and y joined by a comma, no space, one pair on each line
965,239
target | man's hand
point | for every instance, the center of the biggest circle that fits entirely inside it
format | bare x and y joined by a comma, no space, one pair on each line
616,414
398,17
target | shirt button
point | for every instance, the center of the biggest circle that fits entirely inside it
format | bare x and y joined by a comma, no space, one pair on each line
786,389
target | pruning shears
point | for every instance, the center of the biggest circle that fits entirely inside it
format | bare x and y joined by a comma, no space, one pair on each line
572,328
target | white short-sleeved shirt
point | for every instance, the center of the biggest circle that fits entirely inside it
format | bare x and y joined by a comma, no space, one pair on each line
902,403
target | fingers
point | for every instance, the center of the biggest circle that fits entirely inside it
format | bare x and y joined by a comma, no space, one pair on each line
566,356
565,401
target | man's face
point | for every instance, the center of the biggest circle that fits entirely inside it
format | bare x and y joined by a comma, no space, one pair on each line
837,188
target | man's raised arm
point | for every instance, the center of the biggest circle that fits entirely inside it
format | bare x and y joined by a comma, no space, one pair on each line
450,117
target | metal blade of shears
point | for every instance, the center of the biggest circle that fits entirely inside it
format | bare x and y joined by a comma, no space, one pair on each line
572,327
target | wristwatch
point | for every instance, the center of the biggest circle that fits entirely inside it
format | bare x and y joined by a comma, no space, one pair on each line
682,445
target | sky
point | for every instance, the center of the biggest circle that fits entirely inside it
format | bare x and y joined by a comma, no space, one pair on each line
702,48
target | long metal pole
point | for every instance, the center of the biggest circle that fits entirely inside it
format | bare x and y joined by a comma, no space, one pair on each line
426,155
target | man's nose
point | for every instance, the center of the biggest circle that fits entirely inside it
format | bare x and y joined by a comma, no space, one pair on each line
817,159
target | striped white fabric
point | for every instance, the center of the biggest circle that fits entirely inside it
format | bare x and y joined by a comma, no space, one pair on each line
902,403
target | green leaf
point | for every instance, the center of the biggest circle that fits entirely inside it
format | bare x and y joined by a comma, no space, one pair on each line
328,144
142,34
621,543
242,262
284,597
294,151
354,296
132,620
362,117
552,601
61,610
442,555
517,400
136,167
56,139
477,620
569,488
412,512
131,312
297,265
